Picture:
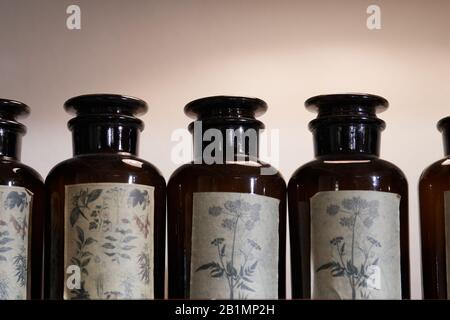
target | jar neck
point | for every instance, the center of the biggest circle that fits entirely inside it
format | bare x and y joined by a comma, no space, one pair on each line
446,140
10,144
220,144
346,139
92,138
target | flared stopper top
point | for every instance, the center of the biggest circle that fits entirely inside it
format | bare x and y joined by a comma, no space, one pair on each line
226,110
351,107
106,108
10,111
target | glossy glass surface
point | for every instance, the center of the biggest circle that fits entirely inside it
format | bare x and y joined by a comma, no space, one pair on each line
435,180
105,144
346,137
192,178
347,173
225,114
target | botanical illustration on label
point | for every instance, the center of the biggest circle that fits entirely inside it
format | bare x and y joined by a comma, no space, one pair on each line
234,253
355,245
109,241
447,237
15,211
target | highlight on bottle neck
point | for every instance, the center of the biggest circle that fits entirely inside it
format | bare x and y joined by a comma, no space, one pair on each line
226,129
347,124
444,127
11,131
105,123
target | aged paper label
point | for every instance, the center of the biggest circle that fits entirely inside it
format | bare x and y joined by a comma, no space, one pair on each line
109,241
15,214
355,245
235,246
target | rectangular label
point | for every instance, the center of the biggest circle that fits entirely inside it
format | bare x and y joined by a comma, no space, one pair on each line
355,245
15,215
235,244
109,241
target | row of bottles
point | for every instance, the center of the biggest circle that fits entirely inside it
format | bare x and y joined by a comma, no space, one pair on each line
96,228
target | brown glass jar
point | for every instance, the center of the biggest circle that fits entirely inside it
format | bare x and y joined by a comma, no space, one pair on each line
434,196
348,209
21,211
106,220
226,209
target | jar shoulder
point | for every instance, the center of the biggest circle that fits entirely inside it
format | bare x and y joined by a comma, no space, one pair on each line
344,169
105,166
439,170
13,172
192,171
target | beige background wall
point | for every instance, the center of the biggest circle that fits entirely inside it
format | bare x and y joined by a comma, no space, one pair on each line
170,52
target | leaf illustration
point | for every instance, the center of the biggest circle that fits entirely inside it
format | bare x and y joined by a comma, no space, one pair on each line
128,239
5,240
327,266
110,254
93,195
2,223
244,287
5,249
80,234
108,246
125,256
2,258
351,268
89,241
217,273
85,262
206,266
74,215
127,248
111,238
338,273
231,269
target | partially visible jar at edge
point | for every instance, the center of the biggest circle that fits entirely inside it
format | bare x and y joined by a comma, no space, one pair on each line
21,211
434,198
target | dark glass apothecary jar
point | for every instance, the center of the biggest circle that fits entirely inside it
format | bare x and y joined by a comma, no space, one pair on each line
226,209
21,211
106,220
434,196
348,209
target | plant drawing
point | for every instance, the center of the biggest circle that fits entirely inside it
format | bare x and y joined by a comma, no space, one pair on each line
13,243
5,239
239,217
354,257
100,220
81,202
16,199
117,247
107,238
4,288
20,266
83,256
144,265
